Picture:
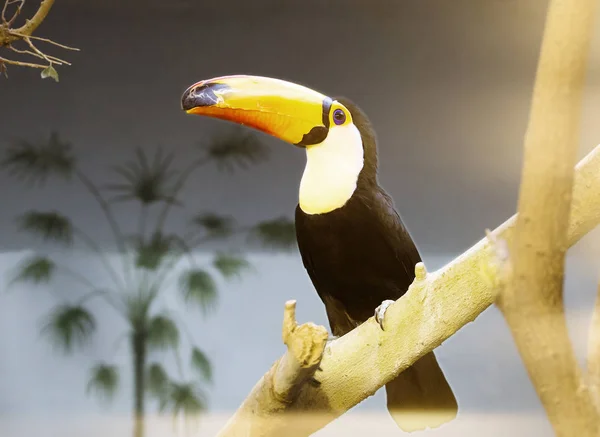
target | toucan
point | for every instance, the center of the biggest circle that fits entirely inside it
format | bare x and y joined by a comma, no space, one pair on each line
352,241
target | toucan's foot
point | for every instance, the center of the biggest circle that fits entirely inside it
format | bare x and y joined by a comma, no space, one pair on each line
380,312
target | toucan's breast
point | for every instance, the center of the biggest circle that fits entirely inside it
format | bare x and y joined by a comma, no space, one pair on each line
357,255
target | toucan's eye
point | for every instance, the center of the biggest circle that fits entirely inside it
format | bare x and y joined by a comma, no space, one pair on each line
339,116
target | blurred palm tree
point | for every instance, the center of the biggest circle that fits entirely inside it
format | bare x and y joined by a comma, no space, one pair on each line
147,261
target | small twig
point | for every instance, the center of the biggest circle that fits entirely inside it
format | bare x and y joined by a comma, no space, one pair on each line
24,52
9,23
8,2
58,61
36,50
38,38
55,60
17,12
20,63
31,25
8,36
4,8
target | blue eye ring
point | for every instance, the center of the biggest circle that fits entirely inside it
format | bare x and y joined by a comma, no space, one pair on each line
339,116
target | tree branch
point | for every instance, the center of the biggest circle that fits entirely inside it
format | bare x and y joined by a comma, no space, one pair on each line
32,24
593,358
435,307
278,389
19,64
7,3
532,303
10,36
305,344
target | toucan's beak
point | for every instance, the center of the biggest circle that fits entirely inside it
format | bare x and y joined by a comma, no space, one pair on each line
291,112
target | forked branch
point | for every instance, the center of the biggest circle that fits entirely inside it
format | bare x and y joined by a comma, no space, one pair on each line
279,387
435,307
533,303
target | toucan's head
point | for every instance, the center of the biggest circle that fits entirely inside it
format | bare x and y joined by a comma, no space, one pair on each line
339,141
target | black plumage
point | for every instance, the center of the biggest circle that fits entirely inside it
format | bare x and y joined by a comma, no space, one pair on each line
360,255
357,256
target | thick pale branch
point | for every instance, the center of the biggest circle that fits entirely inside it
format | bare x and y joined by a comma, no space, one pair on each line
436,306
593,358
532,302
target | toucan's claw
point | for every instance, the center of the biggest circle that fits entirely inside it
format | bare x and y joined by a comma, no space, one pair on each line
380,312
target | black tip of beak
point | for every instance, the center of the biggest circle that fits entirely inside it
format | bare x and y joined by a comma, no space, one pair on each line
201,95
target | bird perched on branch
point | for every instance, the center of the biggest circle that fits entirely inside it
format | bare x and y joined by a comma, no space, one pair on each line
353,243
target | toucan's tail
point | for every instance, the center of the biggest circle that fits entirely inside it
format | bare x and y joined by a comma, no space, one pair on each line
420,397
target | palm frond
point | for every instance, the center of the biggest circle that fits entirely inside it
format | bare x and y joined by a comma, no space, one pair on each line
145,182
36,269
230,265
158,381
104,381
198,286
34,163
70,326
218,226
186,399
151,253
162,332
201,364
50,225
137,306
279,233
236,148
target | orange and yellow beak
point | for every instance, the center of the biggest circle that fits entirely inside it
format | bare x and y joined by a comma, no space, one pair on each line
291,112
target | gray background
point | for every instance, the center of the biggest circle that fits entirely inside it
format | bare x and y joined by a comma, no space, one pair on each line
447,86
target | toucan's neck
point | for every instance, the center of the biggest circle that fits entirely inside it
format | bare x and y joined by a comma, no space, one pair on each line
368,174
332,171
336,170
344,163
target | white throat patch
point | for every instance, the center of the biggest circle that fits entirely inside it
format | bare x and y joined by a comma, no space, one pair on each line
332,169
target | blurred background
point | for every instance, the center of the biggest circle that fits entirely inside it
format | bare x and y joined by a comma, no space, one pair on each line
447,86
